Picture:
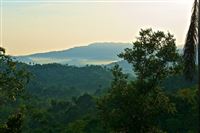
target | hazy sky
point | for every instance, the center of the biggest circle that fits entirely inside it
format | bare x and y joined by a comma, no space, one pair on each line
31,26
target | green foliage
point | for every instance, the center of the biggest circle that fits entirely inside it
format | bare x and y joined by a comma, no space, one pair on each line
186,117
12,85
76,127
137,106
63,81
178,82
126,109
58,114
154,55
13,125
69,99
12,80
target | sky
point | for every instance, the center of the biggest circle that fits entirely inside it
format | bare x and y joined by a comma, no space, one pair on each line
32,26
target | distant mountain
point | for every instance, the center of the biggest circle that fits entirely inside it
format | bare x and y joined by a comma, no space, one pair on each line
93,54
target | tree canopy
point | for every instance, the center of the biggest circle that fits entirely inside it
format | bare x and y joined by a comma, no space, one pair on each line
135,106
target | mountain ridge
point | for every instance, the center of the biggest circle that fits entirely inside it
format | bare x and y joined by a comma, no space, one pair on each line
93,54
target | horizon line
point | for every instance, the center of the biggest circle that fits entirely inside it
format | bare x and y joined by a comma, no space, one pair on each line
178,46
95,1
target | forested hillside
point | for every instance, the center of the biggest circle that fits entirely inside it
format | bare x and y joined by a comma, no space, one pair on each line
56,80
55,98
51,106
63,81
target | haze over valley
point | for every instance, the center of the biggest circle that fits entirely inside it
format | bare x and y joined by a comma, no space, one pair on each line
93,54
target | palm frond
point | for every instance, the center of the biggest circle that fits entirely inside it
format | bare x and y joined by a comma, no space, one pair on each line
191,44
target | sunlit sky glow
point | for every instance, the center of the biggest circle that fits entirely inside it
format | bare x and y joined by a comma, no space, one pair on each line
31,26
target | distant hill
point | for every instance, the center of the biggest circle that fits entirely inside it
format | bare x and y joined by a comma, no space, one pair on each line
93,54
56,80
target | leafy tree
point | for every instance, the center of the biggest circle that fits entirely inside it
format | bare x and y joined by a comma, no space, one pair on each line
12,84
185,120
12,80
153,56
136,106
76,127
13,125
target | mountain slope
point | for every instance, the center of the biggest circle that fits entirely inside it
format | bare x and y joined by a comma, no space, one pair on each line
93,54
56,80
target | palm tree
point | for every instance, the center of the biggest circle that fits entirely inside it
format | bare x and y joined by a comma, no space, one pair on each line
191,44
190,50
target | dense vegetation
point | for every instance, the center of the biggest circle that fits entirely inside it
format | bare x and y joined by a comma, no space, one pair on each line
63,81
93,99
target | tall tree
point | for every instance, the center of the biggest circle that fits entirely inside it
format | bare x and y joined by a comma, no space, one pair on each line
136,106
12,79
191,44
12,85
190,51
